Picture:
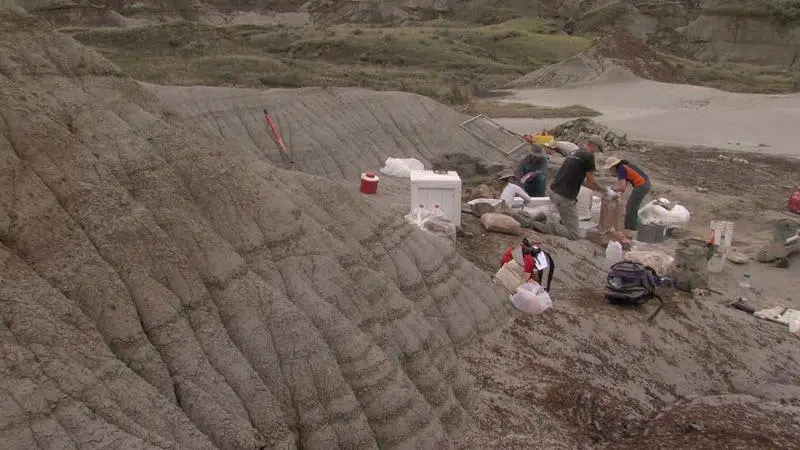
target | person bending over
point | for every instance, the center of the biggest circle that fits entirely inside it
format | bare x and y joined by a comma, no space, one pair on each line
629,173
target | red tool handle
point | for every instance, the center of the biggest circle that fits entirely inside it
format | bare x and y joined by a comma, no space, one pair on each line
275,135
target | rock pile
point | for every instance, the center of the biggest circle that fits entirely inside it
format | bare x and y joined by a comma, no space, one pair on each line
578,130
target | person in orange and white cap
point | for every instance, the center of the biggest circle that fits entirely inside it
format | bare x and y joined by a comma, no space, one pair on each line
627,172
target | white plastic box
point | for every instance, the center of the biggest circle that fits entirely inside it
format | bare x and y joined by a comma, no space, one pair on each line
437,191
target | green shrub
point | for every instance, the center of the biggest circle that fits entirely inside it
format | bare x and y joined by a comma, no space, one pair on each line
785,12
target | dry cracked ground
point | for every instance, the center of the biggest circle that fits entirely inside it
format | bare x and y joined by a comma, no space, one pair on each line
165,282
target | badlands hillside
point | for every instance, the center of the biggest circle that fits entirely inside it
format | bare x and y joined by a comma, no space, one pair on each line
164,288
169,280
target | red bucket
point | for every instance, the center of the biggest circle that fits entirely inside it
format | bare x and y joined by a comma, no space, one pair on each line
369,183
794,202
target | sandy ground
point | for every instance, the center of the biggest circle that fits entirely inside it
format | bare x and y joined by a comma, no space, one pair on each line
678,114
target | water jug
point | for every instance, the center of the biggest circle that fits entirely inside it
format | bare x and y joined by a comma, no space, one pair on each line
614,253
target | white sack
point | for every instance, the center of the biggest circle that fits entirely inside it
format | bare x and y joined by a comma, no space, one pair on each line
401,167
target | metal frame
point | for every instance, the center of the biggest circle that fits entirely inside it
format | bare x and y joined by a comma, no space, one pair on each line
486,141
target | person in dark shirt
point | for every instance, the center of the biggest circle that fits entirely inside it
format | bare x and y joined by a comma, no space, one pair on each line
627,172
531,171
577,170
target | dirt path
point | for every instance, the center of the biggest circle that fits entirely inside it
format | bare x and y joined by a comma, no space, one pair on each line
678,114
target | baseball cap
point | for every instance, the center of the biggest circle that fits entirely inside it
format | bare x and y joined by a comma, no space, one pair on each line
598,141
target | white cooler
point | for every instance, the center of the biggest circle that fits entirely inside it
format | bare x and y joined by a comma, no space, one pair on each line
437,192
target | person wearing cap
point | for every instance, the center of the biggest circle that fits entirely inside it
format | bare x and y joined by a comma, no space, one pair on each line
627,172
577,170
512,189
531,171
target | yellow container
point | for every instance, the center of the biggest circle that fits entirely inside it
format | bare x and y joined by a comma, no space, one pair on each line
543,139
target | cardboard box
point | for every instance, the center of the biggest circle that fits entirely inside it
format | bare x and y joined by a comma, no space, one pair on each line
602,238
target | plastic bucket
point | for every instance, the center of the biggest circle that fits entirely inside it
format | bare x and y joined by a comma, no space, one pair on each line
369,183
542,139
651,234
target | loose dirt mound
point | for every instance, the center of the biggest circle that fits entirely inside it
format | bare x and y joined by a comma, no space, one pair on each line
613,57
337,133
160,287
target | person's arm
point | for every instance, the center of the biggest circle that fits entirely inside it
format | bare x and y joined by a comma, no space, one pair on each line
519,192
591,182
622,179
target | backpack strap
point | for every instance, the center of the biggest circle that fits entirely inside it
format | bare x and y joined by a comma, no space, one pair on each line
551,268
658,310
552,265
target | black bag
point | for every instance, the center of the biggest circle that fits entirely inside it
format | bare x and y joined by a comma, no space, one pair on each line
632,283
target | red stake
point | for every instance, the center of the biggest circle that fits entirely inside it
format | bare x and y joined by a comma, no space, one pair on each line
275,135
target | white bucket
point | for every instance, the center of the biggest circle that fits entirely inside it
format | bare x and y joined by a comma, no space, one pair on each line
722,237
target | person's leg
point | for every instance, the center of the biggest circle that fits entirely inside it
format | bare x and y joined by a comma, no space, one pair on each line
634,203
568,226
538,185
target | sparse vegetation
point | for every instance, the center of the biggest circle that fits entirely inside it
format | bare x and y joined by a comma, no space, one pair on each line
525,110
450,61
785,12
443,60
736,77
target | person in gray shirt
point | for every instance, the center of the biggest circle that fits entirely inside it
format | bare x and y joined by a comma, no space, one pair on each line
577,170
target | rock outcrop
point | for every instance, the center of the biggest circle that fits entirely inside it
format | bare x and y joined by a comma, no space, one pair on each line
333,132
614,56
736,32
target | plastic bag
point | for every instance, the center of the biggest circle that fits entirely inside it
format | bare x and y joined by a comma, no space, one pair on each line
584,203
401,167
654,213
432,221
531,298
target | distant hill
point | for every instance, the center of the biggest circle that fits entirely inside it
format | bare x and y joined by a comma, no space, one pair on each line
765,32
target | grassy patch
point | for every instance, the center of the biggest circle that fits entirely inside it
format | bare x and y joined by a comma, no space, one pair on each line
447,61
785,12
525,110
738,77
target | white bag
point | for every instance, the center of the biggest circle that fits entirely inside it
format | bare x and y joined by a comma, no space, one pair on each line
531,298
584,203
653,213
401,167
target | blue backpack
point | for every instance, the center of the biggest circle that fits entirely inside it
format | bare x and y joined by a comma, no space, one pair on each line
632,283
